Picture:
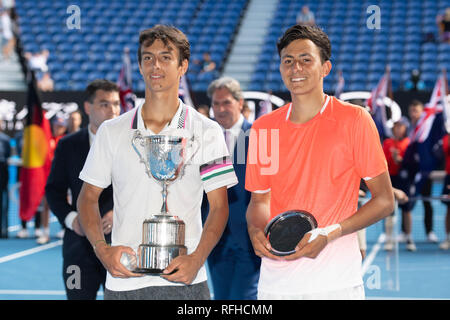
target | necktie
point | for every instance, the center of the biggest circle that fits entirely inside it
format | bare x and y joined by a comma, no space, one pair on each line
228,140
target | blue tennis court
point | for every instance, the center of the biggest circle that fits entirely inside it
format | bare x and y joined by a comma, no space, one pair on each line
31,271
423,274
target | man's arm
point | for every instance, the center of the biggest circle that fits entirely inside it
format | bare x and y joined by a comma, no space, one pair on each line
89,217
188,265
258,215
57,186
378,207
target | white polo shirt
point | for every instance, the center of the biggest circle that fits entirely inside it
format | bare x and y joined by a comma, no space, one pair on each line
137,197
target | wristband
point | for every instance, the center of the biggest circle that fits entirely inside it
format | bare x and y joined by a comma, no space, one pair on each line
97,242
331,232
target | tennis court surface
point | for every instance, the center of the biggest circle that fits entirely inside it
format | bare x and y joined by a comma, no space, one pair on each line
29,271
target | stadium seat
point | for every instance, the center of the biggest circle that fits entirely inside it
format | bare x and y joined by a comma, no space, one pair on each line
211,25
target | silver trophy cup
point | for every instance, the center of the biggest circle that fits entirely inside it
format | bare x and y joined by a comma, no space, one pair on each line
163,234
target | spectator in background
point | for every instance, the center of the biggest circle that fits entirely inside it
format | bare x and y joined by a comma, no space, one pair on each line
445,245
45,83
59,128
394,149
443,22
306,17
5,152
102,103
74,121
206,64
246,112
7,38
204,110
423,156
37,62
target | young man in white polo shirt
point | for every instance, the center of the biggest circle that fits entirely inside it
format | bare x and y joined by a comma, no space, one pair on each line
163,57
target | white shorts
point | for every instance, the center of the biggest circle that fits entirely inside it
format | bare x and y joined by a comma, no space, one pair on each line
353,293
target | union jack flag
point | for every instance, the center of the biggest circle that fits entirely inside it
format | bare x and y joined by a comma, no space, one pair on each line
436,105
377,106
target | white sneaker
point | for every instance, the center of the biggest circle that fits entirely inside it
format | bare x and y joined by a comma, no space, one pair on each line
22,234
389,246
38,233
432,237
401,238
444,245
60,234
410,246
43,239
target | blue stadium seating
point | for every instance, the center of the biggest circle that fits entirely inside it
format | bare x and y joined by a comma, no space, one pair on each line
399,42
107,27
407,40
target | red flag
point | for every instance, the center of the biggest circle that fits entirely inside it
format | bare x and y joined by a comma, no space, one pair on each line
35,155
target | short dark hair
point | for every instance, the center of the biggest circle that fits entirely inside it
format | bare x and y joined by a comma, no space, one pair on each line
165,34
415,103
313,33
99,84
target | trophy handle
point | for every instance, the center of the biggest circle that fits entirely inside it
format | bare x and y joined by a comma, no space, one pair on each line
138,139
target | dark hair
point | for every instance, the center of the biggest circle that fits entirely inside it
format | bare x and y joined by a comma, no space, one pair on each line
76,111
99,84
313,33
416,102
166,34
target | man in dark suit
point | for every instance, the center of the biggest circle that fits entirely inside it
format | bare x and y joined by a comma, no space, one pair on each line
83,273
233,265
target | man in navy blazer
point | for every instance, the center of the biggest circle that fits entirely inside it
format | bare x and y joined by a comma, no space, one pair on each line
83,273
233,265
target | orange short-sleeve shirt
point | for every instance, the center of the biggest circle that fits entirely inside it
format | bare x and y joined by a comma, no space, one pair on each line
315,166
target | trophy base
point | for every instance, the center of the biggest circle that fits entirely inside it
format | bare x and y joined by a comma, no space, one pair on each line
154,272
157,258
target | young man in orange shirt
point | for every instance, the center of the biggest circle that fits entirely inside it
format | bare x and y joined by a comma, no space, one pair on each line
320,148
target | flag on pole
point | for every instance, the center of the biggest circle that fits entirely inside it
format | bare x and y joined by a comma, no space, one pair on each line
340,85
127,97
437,105
377,106
36,156
265,106
426,136
184,92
